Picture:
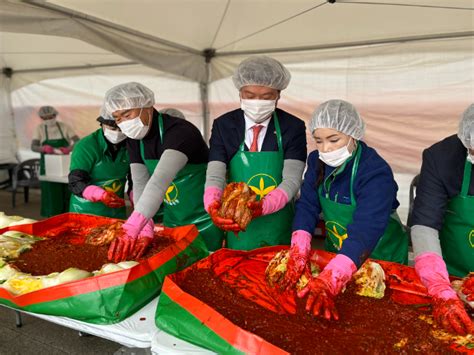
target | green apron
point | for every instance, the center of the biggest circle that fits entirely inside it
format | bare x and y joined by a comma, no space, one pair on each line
183,201
111,175
262,171
54,195
457,234
392,246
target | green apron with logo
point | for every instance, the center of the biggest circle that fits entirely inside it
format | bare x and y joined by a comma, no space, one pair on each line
54,195
183,200
262,171
111,175
392,246
457,234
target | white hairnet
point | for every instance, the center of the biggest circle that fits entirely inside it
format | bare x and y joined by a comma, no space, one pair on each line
466,128
173,112
127,96
46,111
262,71
339,115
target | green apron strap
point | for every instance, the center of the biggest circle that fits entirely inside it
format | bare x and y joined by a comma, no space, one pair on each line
466,180
160,125
278,132
60,131
355,167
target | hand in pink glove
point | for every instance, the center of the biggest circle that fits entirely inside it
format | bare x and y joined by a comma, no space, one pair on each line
144,240
274,201
324,288
299,255
47,149
448,309
211,194
95,194
65,150
122,247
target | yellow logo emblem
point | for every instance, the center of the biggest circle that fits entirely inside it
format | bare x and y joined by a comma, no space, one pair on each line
262,184
113,186
471,238
336,234
171,195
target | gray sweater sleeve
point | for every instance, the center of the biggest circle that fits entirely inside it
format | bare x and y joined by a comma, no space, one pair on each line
171,162
36,146
292,177
216,174
425,239
140,177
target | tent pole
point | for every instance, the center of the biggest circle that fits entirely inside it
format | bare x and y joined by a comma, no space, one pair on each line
203,87
204,90
7,79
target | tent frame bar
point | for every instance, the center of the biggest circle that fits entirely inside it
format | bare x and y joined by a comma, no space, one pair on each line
77,67
452,35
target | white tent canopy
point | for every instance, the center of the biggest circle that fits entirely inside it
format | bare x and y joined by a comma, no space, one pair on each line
407,65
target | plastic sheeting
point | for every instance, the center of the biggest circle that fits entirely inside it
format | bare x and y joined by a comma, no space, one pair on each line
136,331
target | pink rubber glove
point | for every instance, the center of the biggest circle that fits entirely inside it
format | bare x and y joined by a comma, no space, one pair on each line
65,150
144,240
47,149
123,246
93,193
211,194
274,201
299,255
448,309
324,288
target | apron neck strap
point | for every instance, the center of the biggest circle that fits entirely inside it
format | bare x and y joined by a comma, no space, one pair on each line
278,134
355,167
160,126
466,180
59,128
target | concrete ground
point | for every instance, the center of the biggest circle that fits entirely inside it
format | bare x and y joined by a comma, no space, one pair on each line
37,336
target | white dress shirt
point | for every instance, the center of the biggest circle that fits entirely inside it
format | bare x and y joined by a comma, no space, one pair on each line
249,132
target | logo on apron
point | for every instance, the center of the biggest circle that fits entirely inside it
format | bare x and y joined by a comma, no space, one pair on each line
112,186
262,184
471,238
171,195
336,234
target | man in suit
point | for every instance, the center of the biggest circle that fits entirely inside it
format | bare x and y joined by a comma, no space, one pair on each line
263,146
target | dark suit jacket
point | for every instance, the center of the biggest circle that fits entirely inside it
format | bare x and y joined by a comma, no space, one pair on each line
228,132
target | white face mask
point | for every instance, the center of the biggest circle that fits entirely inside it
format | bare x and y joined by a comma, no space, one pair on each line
114,136
258,110
51,122
134,128
336,157
470,158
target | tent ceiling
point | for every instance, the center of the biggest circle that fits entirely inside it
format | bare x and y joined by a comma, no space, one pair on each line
196,23
171,35
27,51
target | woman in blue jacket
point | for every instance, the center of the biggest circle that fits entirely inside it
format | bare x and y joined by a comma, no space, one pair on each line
354,189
